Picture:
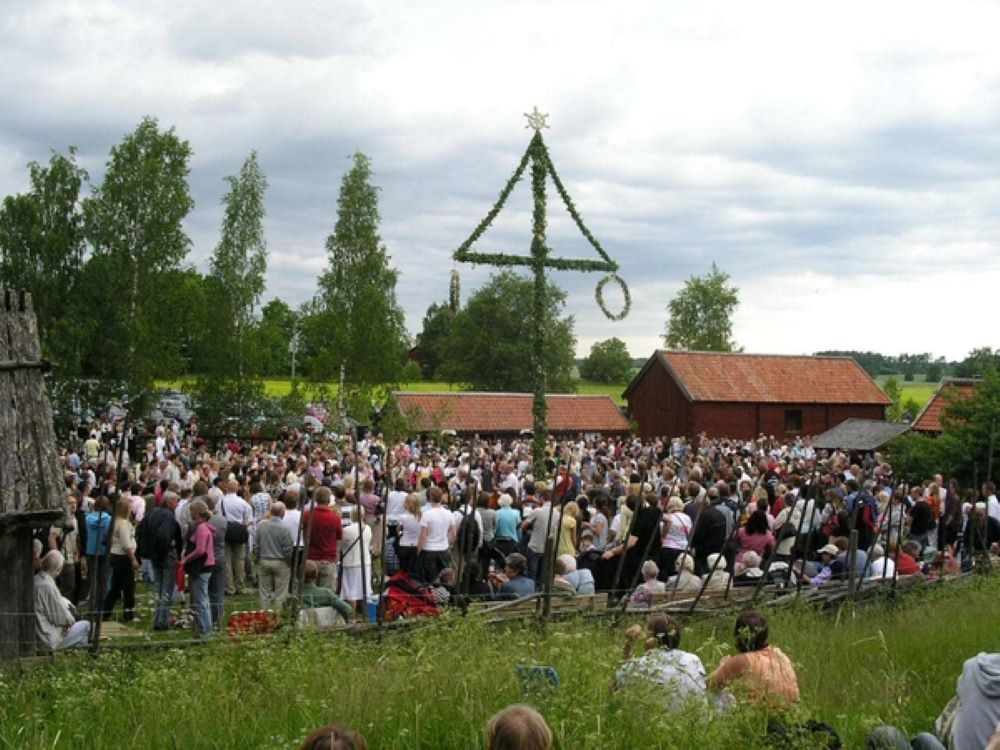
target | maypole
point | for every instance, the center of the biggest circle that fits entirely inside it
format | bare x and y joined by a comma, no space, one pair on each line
538,260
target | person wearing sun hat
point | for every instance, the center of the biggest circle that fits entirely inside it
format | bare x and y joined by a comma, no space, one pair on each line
828,555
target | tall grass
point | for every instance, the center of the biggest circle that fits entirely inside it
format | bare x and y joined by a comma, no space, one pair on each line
435,687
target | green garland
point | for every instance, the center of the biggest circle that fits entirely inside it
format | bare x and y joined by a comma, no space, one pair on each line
599,296
538,153
454,292
538,260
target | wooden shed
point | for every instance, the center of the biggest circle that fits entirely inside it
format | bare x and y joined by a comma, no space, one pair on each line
679,393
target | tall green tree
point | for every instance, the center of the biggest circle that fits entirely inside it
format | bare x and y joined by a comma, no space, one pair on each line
271,337
134,222
490,344
432,341
978,362
974,423
701,315
968,447
237,267
363,328
609,362
42,251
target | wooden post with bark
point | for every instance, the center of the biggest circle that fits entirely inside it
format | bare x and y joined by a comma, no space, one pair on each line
30,480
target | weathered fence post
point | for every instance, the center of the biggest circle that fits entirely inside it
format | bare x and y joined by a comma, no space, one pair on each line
30,480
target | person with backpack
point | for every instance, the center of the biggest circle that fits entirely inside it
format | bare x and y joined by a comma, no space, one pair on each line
161,543
863,510
97,524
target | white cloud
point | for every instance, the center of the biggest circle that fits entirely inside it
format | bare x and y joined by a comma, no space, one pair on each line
839,161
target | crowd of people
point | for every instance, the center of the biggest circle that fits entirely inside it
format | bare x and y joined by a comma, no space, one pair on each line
638,518
324,522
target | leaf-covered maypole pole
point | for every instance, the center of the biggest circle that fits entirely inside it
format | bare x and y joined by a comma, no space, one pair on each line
538,261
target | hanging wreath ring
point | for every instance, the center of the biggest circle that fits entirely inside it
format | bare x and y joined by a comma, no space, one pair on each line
599,296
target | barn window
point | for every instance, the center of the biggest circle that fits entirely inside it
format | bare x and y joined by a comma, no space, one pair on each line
793,420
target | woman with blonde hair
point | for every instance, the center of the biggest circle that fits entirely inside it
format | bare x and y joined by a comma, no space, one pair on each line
408,527
123,562
569,521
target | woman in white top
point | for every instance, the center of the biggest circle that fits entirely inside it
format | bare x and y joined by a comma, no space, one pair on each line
123,562
356,562
676,530
408,526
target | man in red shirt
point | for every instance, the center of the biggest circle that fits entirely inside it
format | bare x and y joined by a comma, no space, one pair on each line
324,530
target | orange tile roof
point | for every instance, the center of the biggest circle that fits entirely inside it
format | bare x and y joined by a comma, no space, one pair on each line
509,412
929,419
770,378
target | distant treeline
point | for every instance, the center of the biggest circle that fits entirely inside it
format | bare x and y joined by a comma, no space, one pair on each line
923,366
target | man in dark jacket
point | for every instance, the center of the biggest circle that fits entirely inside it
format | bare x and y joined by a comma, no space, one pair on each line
709,534
159,541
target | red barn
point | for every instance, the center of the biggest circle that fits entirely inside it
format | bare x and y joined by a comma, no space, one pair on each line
744,395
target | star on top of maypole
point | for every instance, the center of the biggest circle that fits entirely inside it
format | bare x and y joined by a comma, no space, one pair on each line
536,120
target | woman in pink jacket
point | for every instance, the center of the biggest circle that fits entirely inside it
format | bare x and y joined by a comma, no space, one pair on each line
198,565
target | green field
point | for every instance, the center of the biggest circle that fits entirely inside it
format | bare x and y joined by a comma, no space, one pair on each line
919,391
436,686
279,387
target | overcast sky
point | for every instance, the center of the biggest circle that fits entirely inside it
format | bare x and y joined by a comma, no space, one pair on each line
840,160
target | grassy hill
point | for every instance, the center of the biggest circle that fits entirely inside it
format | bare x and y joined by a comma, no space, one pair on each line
436,686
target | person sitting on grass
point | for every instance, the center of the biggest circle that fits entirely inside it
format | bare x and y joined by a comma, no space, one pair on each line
334,737
517,727
55,624
890,738
314,596
443,588
761,673
972,716
679,674
512,583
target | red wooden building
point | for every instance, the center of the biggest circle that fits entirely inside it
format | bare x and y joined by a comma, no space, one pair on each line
744,395
467,413
948,391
